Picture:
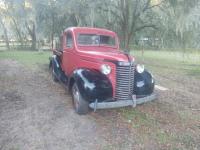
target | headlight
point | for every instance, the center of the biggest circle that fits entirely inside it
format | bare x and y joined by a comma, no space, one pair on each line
140,68
105,69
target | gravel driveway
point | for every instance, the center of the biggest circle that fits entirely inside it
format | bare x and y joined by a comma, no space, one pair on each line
36,113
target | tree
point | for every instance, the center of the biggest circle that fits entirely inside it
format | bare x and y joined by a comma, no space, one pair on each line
132,16
178,23
32,32
29,21
5,32
3,25
173,22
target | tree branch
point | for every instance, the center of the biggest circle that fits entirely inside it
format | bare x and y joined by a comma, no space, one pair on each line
146,6
28,28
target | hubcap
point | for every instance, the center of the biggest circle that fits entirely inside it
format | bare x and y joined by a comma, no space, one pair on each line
76,96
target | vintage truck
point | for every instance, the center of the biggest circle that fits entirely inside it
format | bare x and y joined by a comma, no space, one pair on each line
89,63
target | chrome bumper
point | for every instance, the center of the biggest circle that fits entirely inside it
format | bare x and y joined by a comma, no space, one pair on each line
122,103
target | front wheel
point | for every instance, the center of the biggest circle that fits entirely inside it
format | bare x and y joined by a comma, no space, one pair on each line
53,74
81,106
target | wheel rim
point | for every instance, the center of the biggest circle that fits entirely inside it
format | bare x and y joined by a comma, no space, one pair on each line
76,96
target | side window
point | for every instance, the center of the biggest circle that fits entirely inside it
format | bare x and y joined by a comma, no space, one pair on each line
69,42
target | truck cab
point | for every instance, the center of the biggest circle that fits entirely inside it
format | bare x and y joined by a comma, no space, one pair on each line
99,75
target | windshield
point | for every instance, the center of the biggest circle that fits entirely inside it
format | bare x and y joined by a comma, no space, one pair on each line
95,40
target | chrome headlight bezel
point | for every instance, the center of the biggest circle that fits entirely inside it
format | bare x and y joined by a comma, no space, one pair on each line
105,69
140,68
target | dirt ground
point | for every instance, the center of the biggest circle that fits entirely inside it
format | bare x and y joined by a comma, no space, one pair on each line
36,113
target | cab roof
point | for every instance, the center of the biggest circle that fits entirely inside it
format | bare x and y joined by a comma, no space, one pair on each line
90,30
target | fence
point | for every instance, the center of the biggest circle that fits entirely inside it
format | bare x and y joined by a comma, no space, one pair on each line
26,45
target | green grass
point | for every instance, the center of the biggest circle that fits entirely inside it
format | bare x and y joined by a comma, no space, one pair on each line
28,58
174,56
147,127
138,118
164,138
170,61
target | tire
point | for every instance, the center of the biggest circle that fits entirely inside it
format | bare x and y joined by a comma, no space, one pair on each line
81,106
52,74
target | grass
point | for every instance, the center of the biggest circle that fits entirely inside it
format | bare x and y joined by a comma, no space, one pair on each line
170,61
148,128
28,58
145,125
188,116
174,56
138,118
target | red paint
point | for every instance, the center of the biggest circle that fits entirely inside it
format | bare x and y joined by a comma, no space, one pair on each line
91,57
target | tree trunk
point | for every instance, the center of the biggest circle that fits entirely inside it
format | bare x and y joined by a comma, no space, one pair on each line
32,34
18,32
53,30
33,45
128,42
92,15
5,34
6,39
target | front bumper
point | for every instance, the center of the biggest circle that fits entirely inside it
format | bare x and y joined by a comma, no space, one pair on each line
122,103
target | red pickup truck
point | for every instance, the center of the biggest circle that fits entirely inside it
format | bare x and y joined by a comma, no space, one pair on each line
90,64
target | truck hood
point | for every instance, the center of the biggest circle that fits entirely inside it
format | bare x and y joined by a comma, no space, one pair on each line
112,55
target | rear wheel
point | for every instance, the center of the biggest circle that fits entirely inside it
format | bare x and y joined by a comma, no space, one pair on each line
81,106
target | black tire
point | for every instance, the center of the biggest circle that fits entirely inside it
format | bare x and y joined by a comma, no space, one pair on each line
81,106
52,74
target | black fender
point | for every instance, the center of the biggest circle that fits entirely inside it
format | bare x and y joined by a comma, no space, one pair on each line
55,64
143,83
92,85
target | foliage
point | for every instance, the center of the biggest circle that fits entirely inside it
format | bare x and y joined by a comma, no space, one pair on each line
144,23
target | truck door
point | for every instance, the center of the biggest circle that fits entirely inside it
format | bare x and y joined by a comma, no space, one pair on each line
67,60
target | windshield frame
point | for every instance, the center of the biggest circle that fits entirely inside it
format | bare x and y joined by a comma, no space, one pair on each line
96,45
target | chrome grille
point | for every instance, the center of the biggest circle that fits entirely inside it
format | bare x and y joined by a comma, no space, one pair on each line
124,82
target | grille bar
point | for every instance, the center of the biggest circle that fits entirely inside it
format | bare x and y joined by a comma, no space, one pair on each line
124,82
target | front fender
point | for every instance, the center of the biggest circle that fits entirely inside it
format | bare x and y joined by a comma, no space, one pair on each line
93,85
55,63
144,84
